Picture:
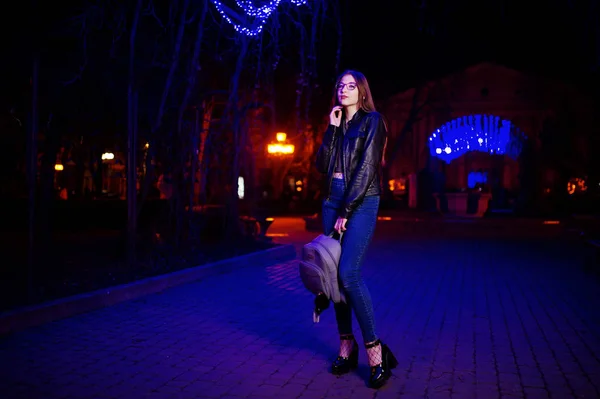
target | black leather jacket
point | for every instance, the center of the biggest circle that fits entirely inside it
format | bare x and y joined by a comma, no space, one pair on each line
363,146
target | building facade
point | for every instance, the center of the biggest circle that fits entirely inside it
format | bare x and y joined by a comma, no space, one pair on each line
468,131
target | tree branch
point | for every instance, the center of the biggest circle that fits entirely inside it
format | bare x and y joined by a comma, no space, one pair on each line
194,64
174,65
338,53
152,12
82,67
415,109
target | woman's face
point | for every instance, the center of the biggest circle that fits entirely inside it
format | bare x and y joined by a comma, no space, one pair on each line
347,91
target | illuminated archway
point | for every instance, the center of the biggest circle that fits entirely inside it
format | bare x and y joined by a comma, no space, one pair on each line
485,133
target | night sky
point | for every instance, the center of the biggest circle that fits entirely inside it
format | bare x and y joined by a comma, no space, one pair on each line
394,44
396,47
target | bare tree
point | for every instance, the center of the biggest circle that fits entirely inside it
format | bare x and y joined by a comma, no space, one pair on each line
31,176
164,68
307,88
132,124
160,111
421,98
190,140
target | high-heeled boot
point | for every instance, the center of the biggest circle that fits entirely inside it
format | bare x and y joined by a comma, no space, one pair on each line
381,372
343,365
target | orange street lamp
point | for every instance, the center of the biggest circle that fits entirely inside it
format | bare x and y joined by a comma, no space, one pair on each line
280,148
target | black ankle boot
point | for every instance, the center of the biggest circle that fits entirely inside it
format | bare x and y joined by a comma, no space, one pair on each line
343,365
382,372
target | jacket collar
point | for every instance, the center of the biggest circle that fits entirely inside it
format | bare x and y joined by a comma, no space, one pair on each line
358,115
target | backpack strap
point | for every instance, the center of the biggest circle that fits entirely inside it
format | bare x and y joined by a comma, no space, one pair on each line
333,233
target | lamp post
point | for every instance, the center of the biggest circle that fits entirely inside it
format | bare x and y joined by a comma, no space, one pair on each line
280,150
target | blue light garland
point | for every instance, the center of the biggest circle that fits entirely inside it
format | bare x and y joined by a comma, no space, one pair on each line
485,133
257,15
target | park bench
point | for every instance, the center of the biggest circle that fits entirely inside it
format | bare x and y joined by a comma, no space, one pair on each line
313,223
256,226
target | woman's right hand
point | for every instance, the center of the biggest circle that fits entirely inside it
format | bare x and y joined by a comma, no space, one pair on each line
335,117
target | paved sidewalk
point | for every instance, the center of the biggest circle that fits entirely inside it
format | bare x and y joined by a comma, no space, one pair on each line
466,319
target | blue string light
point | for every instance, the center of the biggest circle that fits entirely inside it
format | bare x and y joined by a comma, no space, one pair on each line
256,16
485,133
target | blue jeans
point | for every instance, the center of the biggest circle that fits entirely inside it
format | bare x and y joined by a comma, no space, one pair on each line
359,232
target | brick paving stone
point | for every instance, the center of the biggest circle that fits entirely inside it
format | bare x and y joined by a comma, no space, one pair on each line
487,391
481,319
292,389
510,383
414,386
439,395
536,393
387,392
464,390
531,377
203,389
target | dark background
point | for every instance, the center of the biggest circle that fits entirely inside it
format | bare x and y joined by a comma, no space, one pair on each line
396,44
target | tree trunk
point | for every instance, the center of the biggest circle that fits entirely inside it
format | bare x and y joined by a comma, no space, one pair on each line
132,142
161,108
204,161
193,154
411,119
31,181
281,171
232,207
194,161
132,110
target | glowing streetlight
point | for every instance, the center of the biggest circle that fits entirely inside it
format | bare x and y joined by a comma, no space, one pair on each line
59,167
283,149
280,148
108,156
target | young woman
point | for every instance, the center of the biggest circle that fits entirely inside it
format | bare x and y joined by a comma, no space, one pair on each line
351,157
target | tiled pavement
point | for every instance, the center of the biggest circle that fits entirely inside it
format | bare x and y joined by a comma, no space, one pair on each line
466,319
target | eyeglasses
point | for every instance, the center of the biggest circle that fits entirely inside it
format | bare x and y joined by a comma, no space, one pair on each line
350,86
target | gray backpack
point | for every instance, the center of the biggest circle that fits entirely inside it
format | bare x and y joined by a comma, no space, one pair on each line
319,271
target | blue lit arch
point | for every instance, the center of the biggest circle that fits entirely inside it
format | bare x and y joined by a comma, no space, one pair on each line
485,133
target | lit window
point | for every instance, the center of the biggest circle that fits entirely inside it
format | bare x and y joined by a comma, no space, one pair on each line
241,188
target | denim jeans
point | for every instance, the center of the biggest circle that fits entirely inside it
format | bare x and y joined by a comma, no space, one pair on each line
355,241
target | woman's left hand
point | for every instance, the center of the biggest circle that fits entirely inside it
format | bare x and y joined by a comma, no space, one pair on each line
340,225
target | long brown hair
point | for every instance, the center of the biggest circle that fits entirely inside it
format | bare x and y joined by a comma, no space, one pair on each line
365,99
